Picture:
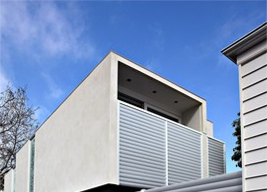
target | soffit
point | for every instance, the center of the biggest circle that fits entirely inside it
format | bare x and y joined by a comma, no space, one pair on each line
145,85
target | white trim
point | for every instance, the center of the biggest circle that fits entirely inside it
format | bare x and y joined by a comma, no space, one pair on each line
163,118
244,183
166,153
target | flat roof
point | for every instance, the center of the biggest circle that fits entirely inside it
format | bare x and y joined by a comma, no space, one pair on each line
246,42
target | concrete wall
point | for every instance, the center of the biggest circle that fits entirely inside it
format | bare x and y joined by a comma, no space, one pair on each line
192,118
9,185
76,148
22,168
253,96
209,128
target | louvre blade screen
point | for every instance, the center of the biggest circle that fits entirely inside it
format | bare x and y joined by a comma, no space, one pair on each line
142,149
216,157
184,154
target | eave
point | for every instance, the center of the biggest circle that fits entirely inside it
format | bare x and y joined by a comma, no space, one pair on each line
246,42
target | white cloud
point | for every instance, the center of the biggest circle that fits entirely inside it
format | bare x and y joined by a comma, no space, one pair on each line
55,92
43,29
3,80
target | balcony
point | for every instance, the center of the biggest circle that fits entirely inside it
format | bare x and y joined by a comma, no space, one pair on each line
155,151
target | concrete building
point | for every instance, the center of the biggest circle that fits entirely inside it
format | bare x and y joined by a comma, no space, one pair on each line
250,54
123,128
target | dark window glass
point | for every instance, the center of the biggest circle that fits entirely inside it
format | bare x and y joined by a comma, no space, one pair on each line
162,114
131,100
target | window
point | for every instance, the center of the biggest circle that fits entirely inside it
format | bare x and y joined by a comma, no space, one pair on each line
162,114
131,100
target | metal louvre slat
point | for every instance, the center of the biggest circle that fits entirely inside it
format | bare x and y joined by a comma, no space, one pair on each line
194,141
191,164
144,162
139,182
182,134
177,158
189,153
183,146
136,136
189,170
184,159
140,167
139,154
140,116
216,157
142,148
138,173
142,144
145,127
141,151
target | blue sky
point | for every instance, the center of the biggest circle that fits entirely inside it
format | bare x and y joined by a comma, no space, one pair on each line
51,46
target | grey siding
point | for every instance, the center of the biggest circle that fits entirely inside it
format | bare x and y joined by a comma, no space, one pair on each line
253,90
154,152
184,154
231,182
216,157
142,149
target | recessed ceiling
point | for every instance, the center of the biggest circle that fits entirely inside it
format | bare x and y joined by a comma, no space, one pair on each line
149,87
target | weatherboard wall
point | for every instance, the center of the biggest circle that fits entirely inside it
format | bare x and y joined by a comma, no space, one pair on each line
253,94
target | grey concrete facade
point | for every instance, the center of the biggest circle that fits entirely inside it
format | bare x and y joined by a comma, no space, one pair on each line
250,54
76,148
22,168
10,181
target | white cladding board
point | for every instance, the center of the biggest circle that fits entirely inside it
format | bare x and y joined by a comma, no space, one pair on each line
253,82
141,149
216,157
184,154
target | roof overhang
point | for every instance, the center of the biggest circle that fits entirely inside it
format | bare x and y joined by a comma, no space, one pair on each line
246,42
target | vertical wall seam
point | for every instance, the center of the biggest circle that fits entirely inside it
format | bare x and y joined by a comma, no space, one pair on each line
166,152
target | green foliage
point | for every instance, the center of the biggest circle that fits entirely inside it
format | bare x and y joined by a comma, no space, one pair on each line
237,156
